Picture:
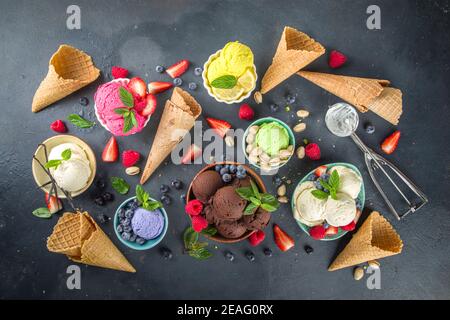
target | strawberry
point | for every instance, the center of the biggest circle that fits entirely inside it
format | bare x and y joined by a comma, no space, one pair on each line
317,232
130,158
246,112
199,223
331,231
350,227
137,86
151,105
336,59
220,126
320,171
177,69
53,203
390,143
111,151
58,126
119,72
257,237
282,239
193,152
158,86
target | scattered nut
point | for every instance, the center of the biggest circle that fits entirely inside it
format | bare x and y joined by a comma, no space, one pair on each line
281,191
253,129
301,152
291,148
132,171
302,113
229,141
250,138
283,199
373,264
358,273
258,97
284,154
264,157
300,127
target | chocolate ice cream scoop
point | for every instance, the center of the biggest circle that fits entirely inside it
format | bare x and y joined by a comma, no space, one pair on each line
206,184
227,204
241,183
208,211
231,229
258,220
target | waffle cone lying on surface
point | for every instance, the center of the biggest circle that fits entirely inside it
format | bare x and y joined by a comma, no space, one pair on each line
295,51
364,93
375,239
81,239
69,69
177,119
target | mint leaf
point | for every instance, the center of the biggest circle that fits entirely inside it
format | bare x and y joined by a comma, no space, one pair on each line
120,185
126,97
224,82
319,194
42,213
255,189
127,123
133,119
53,163
121,111
199,245
334,180
140,194
250,209
200,254
209,231
333,194
80,122
190,237
66,154
255,201
245,193
152,205
268,207
325,184
269,202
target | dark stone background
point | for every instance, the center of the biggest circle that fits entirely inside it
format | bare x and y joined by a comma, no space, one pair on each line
411,50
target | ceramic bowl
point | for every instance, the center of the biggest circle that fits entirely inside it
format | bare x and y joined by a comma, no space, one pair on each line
361,197
42,178
149,243
209,89
260,122
257,179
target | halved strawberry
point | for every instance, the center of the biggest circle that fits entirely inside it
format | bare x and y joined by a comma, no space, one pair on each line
257,237
320,171
111,151
390,143
151,105
331,231
53,203
220,126
177,69
158,86
137,86
193,152
282,239
350,227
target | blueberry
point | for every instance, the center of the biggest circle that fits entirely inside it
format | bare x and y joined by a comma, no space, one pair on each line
241,175
326,225
103,218
192,86
359,204
129,214
218,167
177,184
224,170
121,213
99,201
108,196
126,222
140,241
311,177
325,177
229,255
370,128
119,228
250,256
164,188
198,71
240,168
277,180
267,252
126,236
84,101
159,69
133,237
128,229
100,183
274,107
232,168
166,253
290,99
165,199
183,198
308,249
133,205
226,177
177,82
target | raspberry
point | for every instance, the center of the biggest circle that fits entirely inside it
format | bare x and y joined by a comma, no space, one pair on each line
336,59
257,237
350,227
58,126
194,207
246,112
119,72
317,232
129,158
199,223
312,151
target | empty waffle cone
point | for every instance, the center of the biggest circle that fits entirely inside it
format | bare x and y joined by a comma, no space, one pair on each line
388,105
375,239
295,51
81,239
69,70
177,119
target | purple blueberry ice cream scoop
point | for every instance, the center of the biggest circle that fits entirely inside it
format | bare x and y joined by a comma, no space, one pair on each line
147,224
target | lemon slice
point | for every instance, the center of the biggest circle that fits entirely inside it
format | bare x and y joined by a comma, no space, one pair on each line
229,94
247,80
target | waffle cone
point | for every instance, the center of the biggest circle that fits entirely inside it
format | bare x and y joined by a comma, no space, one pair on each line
388,105
69,70
177,119
81,239
375,239
295,51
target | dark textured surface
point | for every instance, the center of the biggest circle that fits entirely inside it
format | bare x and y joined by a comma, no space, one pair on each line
411,50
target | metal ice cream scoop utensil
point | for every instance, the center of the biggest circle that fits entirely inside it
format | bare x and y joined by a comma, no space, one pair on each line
342,120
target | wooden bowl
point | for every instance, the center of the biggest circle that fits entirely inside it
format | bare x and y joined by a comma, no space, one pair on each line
257,179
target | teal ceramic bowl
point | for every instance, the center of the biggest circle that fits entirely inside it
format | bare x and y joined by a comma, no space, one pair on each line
361,198
260,122
149,243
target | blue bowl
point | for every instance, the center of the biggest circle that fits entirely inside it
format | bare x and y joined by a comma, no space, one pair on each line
361,197
149,243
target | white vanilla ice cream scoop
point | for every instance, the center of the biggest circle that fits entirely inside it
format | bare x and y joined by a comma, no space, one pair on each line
309,209
77,152
340,212
350,181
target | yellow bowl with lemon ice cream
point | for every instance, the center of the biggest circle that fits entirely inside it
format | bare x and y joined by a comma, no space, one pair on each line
235,60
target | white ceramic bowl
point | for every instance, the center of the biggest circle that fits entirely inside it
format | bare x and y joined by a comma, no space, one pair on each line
209,89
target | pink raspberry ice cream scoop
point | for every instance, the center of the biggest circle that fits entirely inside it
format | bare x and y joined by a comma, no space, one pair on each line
147,224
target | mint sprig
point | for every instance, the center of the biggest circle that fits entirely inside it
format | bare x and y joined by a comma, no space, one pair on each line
224,82
145,201
193,247
65,155
330,188
120,185
43,213
79,121
128,114
256,199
